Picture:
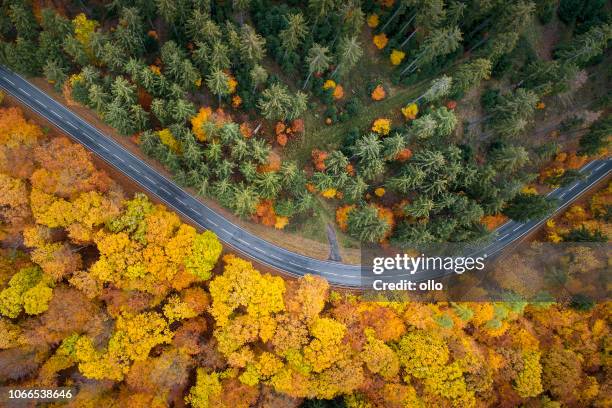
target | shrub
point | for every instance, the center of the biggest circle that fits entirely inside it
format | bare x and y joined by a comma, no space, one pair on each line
353,106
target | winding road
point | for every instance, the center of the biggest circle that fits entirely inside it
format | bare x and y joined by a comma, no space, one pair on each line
239,239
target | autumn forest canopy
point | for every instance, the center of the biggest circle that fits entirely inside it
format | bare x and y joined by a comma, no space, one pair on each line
390,122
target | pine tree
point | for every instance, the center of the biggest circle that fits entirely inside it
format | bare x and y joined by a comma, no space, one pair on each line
218,83
252,45
242,7
317,60
469,75
336,162
245,200
510,116
526,207
293,35
440,87
123,91
439,42
365,224
393,145
181,110
275,102
268,184
55,73
258,75
321,8
349,53
419,207
507,159
584,47
98,97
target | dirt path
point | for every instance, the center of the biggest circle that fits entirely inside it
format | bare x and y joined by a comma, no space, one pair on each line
334,250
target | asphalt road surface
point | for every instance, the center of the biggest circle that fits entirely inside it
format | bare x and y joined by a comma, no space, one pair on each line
251,246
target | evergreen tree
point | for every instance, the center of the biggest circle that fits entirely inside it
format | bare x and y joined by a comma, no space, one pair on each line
597,138
294,33
524,207
245,200
218,83
508,159
258,76
365,224
275,102
349,53
470,74
439,42
55,73
584,47
252,45
317,60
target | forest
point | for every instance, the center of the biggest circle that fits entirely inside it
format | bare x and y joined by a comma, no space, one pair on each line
397,122
114,295
266,108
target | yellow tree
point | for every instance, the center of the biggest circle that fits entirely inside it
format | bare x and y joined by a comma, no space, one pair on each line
148,248
29,289
132,340
380,358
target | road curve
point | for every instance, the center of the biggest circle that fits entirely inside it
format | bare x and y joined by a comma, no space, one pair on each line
251,246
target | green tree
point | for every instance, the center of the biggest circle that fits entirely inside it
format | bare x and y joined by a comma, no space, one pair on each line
118,117
174,12
470,74
513,111
123,92
507,159
245,200
365,224
218,83
597,138
355,188
268,184
98,97
321,8
200,28
258,75
439,88
524,207
393,145
446,121
140,118
23,20
181,110
252,45
336,162
129,33
299,104
439,42
55,73
242,7
294,33
317,60
423,127
419,207
584,47
349,52
275,102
